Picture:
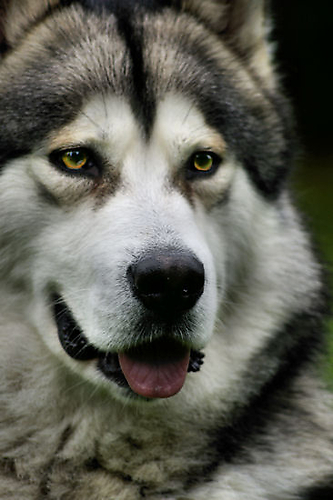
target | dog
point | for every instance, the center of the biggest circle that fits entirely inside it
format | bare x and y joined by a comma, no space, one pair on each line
162,307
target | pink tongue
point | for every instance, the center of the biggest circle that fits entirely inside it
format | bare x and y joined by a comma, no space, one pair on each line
159,378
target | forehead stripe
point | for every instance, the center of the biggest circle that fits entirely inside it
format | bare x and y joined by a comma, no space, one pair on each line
142,97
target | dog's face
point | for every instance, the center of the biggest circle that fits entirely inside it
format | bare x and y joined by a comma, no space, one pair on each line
137,152
131,251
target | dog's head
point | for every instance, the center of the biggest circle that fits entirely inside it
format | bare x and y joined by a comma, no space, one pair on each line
142,145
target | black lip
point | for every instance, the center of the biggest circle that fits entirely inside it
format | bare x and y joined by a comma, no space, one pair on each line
70,335
76,345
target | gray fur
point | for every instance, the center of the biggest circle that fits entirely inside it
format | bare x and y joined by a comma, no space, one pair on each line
145,88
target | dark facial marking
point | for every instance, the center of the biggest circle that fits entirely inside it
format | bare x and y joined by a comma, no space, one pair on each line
260,136
143,101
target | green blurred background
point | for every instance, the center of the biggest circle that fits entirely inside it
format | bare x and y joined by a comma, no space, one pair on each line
304,33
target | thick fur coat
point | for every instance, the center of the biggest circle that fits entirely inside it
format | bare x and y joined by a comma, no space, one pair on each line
162,309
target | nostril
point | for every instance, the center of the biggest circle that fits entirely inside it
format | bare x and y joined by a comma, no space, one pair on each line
167,282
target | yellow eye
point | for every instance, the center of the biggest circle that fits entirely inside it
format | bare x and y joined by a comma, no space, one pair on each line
74,159
203,162
78,161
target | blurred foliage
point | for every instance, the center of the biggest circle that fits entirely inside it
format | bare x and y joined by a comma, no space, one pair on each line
313,184
313,189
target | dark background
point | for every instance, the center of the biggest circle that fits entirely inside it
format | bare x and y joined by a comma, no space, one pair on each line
304,33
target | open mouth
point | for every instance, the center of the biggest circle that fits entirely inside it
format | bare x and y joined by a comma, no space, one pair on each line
153,370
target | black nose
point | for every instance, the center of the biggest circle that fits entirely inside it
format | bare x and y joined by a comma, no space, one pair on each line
167,283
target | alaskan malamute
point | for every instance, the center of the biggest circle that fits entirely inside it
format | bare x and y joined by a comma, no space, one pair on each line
161,306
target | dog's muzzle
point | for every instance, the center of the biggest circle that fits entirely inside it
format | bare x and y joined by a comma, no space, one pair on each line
168,285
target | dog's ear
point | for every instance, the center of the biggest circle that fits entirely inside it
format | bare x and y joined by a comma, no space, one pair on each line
17,16
243,25
242,22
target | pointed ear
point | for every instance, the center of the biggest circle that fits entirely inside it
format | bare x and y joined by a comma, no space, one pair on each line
242,24
16,17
